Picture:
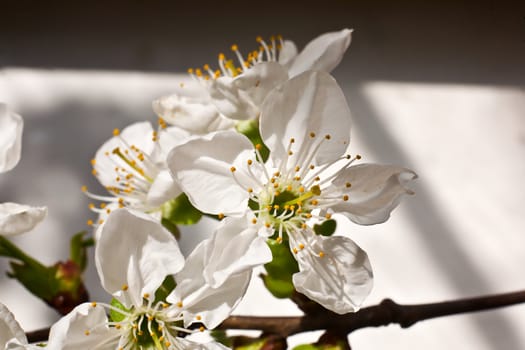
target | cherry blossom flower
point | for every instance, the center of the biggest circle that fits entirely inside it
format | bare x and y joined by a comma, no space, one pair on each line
134,255
305,123
132,167
237,90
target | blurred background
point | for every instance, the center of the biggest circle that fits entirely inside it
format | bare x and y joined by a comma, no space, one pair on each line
436,86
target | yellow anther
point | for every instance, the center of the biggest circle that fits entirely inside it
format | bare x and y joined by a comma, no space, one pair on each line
102,205
258,146
125,287
220,216
168,344
348,185
272,180
202,329
327,136
249,161
267,224
179,304
222,57
277,174
198,317
277,193
150,318
234,47
295,250
304,226
254,221
100,222
297,168
312,134
89,222
93,304
250,190
116,132
321,254
233,169
279,240
91,206
206,67
345,197
94,172
301,189
289,187
198,72
308,216
279,37
290,153
190,70
118,326
276,185
292,140
316,190
259,39
301,246
217,74
146,296
358,157
87,332
317,178
328,216
276,206
93,161
312,167
181,85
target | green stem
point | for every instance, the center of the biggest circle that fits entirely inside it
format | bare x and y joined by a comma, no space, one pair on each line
10,250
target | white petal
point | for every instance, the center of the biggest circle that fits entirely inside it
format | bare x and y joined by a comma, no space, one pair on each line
19,218
340,280
69,333
287,53
323,53
163,189
241,97
198,298
9,328
310,102
190,345
194,114
134,250
375,191
234,247
138,135
11,125
202,168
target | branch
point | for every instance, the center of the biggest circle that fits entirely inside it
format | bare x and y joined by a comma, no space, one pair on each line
385,313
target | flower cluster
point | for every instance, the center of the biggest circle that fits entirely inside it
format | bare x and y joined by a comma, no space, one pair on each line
264,149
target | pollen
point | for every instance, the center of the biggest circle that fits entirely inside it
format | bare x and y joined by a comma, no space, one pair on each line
146,296
234,47
348,185
220,216
179,304
87,332
89,222
202,329
267,224
295,250
301,246
91,206
312,134
279,240
327,136
345,197
125,287
258,146
254,221
321,254
328,216
250,162
116,132
233,169
190,70
222,57
198,317
358,157
93,161
250,190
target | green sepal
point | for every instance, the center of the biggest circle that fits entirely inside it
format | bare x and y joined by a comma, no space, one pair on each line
167,286
78,249
179,211
327,228
280,270
320,347
255,345
114,315
306,347
250,129
168,225
38,279
220,336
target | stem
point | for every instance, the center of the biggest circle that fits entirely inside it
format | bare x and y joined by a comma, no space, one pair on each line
10,250
385,313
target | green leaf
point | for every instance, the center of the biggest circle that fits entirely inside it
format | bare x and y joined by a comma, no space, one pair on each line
180,211
280,288
165,289
250,129
114,315
327,228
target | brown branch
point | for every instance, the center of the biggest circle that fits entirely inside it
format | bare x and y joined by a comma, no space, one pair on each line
385,313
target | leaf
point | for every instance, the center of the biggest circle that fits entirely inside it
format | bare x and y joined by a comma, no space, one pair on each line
327,228
180,211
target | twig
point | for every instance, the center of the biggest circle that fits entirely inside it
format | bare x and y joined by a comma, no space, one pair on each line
385,313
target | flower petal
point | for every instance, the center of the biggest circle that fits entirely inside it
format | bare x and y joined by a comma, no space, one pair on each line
191,345
287,53
234,247
135,251
339,280
241,97
11,125
19,218
198,298
9,328
202,168
194,114
375,191
85,327
162,189
310,102
323,53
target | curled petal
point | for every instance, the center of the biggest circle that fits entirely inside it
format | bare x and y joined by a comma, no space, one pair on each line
309,104
134,254
194,114
85,327
333,271
199,299
375,190
10,330
203,169
19,218
162,189
323,53
287,53
11,125
234,247
241,97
